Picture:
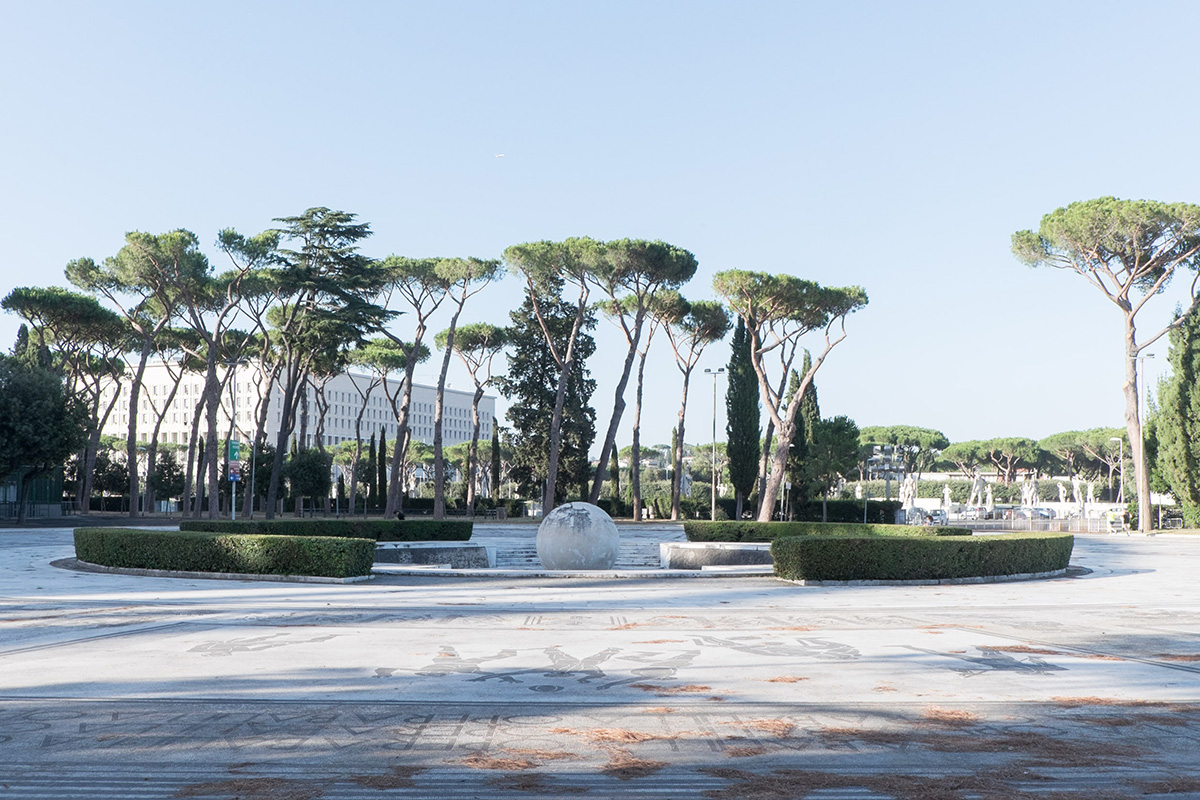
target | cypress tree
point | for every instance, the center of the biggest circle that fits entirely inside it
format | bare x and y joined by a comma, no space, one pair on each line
742,430
495,461
381,481
371,472
802,440
1177,424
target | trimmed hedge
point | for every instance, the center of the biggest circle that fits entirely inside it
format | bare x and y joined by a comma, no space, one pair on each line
378,530
731,531
829,558
229,553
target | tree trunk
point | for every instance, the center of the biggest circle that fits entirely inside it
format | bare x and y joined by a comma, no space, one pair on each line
560,399
88,468
635,455
763,460
439,466
191,477
212,453
774,481
618,409
23,496
395,493
677,456
1133,426
286,422
131,443
473,450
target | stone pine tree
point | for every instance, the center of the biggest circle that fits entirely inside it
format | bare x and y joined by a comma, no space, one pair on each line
549,269
326,292
1178,421
462,278
549,452
780,310
416,284
690,327
140,281
631,272
76,337
742,413
1129,251
477,346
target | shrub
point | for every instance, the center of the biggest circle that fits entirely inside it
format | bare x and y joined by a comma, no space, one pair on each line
829,558
733,531
615,507
380,530
228,553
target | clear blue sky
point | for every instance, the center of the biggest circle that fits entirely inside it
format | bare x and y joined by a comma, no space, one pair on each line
892,145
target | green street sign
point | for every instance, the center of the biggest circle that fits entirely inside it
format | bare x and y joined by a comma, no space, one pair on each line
234,450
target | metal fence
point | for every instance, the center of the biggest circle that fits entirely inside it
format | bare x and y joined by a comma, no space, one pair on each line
1071,525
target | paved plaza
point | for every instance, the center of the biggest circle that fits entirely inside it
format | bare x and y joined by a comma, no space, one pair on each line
1087,686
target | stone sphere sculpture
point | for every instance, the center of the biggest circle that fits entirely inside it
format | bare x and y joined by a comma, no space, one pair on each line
578,536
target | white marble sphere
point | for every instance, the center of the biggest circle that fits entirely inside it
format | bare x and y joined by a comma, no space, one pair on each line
578,536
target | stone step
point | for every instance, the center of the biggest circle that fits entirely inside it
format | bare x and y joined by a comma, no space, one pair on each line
633,555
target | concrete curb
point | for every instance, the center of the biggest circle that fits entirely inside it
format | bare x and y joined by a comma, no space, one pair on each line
605,574
1021,576
85,566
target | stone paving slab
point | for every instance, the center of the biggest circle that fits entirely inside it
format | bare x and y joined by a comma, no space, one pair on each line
121,686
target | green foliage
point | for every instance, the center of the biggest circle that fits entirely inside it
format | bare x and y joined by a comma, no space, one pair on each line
892,558
532,384
494,474
742,429
225,553
308,472
40,425
747,531
168,478
918,447
405,530
1177,423
1125,249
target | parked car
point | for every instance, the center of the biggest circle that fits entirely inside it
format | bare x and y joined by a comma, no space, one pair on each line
974,512
937,517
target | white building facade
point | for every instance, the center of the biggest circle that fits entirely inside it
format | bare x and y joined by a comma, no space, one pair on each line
341,399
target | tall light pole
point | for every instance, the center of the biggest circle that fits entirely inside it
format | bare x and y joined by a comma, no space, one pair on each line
714,373
1121,488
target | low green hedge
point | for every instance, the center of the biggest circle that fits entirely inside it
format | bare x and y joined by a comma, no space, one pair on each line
840,558
379,530
731,531
257,554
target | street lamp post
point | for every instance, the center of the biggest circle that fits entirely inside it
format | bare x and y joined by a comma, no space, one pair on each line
714,373
1121,488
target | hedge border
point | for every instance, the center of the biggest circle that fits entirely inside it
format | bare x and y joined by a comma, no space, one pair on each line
252,554
379,530
874,558
733,531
